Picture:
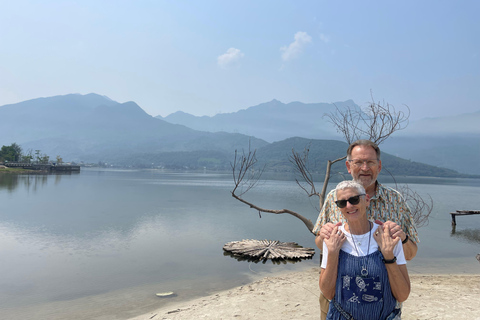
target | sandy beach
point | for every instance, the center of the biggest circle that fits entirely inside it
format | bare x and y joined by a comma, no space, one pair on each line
295,296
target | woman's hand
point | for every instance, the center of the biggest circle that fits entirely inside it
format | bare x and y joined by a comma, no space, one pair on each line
335,240
328,275
385,241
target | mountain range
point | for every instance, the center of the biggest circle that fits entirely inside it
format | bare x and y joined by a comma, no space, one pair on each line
270,121
94,128
449,142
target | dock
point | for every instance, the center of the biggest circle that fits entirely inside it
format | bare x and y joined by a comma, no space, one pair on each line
462,213
45,167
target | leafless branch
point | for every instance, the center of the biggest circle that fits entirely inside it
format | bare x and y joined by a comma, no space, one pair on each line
419,207
246,177
376,122
327,178
308,223
300,162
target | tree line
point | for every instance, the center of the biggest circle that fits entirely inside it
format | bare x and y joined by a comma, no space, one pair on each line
14,153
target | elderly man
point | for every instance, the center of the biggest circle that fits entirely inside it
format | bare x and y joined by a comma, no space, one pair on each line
386,204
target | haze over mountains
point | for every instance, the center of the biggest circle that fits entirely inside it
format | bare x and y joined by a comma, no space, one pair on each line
449,142
270,121
93,128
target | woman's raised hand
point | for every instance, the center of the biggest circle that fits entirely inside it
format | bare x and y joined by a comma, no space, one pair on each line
335,240
385,241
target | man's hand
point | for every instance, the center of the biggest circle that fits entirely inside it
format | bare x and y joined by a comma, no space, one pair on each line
327,229
395,229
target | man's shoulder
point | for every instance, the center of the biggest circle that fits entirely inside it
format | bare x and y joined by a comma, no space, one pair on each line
329,205
389,195
331,192
331,195
386,190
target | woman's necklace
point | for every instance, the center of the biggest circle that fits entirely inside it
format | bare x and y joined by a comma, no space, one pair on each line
364,271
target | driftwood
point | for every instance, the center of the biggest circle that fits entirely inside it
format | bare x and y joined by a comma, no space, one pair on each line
258,250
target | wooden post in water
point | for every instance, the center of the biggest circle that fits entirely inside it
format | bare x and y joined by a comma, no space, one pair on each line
462,213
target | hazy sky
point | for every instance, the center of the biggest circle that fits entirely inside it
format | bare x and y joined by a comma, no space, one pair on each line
205,57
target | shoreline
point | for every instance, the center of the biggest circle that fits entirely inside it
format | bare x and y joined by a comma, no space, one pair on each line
294,295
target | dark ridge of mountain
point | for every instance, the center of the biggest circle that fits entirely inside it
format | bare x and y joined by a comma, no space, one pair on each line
270,121
276,156
452,142
93,128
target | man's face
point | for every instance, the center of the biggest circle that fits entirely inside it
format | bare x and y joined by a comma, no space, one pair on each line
365,174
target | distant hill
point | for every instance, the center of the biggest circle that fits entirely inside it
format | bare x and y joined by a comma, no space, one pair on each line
276,158
93,128
270,121
450,142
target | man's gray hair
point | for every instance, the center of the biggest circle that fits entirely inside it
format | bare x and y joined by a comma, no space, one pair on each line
350,184
365,143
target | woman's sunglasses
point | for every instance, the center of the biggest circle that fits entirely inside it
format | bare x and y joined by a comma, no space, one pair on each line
353,201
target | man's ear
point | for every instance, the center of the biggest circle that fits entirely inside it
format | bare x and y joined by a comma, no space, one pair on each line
348,166
379,166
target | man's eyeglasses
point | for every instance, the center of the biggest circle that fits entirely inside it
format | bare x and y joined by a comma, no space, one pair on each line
359,163
353,201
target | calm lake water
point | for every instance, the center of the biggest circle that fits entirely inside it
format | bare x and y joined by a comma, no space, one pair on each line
101,243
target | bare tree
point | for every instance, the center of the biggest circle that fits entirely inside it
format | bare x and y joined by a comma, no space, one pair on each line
245,177
377,122
420,207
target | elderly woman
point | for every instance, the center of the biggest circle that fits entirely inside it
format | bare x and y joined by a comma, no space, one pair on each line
363,270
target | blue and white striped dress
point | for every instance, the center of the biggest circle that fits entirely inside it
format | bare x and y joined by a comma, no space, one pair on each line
360,297
368,297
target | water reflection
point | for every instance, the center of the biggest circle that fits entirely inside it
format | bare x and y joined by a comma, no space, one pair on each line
40,264
31,182
66,237
467,235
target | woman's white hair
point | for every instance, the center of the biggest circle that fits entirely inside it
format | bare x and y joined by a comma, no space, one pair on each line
350,184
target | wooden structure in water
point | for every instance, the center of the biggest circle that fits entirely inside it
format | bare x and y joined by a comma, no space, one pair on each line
47,167
258,250
462,213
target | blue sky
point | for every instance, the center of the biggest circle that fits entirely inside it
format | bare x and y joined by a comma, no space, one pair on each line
206,57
